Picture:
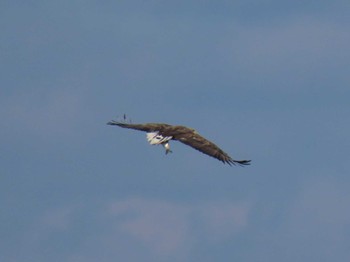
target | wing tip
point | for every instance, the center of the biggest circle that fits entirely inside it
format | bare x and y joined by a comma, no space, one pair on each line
115,123
112,123
121,122
238,162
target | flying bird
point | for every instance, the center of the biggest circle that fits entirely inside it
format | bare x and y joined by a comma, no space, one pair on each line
161,134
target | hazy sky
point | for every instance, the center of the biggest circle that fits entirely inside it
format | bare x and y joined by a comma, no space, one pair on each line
265,80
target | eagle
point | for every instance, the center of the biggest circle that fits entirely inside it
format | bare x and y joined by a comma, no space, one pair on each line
161,134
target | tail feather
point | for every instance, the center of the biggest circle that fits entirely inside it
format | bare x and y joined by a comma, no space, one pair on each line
154,138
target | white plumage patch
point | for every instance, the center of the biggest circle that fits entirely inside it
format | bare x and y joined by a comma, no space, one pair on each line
154,138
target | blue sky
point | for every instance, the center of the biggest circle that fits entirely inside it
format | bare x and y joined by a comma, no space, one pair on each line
265,80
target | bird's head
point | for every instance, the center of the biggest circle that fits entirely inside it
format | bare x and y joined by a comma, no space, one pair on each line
167,148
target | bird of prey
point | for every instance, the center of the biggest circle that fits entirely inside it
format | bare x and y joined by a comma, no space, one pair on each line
161,134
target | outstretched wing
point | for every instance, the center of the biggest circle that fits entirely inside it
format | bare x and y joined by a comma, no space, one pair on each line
185,135
149,127
203,145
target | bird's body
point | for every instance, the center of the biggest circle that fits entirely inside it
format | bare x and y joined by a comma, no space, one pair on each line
160,133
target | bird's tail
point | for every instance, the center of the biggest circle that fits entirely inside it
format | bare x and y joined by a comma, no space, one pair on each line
154,138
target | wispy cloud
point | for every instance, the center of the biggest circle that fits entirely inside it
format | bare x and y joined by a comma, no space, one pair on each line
168,227
314,228
160,225
222,220
322,209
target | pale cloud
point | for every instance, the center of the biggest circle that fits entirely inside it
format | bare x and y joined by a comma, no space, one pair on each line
160,225
318,221
222,220
321,209
315,226
167,227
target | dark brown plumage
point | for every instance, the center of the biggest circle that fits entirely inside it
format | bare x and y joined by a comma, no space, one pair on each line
187,136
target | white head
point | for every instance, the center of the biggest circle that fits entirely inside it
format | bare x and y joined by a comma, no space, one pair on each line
167,148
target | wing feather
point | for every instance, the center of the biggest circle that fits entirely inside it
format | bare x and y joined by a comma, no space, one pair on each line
187,136
207,147
148,127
